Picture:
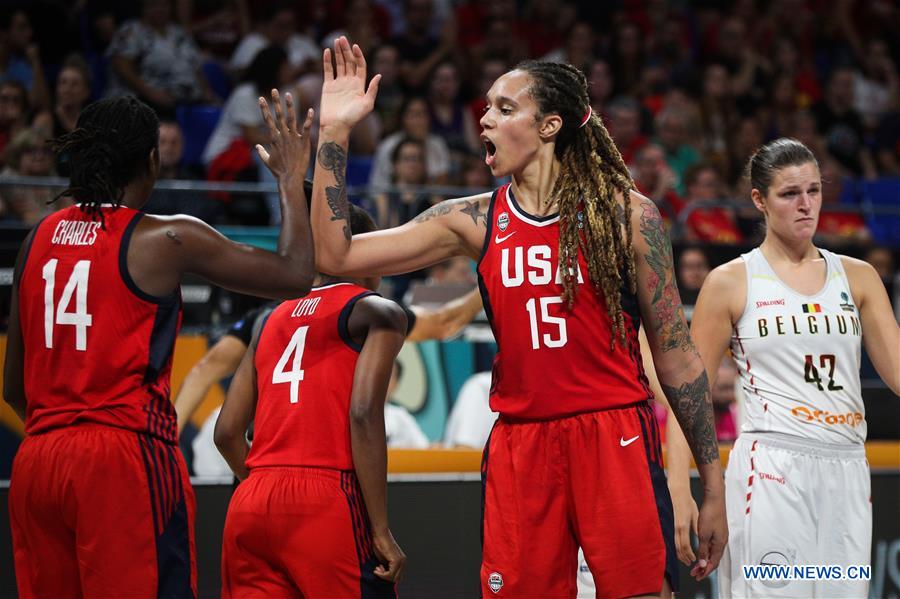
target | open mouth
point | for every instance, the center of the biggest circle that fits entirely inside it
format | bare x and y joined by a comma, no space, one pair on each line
490,151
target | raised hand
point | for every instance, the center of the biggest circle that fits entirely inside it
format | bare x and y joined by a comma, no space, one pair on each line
288,151
345,99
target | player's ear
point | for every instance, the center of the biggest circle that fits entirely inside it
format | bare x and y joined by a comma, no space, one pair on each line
550,126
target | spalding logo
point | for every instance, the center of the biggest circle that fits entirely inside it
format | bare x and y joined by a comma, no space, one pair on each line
503,221
495,581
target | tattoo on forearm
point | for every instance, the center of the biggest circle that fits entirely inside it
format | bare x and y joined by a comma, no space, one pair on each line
473,210
671,326
691,404
434,212
333,158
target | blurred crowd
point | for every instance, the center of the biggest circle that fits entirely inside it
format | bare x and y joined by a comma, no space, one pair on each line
688,90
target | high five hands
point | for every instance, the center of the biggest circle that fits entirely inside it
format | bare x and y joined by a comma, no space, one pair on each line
345,98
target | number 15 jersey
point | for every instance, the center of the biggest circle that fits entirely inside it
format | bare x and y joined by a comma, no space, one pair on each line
798,355
551,362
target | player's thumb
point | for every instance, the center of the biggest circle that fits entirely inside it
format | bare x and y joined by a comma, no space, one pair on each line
263,154
373,88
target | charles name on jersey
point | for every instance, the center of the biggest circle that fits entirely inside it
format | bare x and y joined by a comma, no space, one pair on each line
75,232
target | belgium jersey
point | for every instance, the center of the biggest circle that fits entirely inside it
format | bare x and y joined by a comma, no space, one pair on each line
551,361
97,348
305,361
798,356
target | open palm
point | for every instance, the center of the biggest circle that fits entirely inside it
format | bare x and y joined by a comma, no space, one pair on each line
345,99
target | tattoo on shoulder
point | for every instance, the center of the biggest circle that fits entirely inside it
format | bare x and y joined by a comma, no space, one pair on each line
474,211
333,157
434,212
671,326
691,404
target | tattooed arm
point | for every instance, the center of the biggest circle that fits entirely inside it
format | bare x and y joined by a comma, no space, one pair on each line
451,228
681,373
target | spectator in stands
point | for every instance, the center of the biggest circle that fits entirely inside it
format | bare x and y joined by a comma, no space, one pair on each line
625,127
156,59
397,207
415,124
877,88
389,101
600,88
838,226
449,117
842,126
718,115
420,51
489,72
28,155
672,135
276,26
13,112
73,90
693,266
655,179
20,56
797,67
471,419
577,47
779,115
724,402
360,26
401,429
476,175
174,201
713,225
882,260
627,58
216,25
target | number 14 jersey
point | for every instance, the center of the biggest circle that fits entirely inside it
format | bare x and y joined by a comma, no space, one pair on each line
799,355
551,362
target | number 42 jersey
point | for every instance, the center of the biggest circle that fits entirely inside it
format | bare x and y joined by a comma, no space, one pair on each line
798,356
97,348
551,362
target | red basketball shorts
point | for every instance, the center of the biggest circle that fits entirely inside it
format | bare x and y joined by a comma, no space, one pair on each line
299,532
594,480
97,511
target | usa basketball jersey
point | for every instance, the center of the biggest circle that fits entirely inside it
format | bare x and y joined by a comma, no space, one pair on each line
551,362
305,360
798,356
97,348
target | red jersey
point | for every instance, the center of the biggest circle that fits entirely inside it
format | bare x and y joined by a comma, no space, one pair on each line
551,362
97,348
305,361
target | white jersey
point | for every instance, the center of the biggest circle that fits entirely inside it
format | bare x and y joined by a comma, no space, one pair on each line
798,356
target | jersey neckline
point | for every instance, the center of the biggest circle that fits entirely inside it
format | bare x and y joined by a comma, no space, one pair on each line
828,275
537,221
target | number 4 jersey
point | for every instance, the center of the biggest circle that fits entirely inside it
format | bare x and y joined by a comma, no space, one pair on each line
305,363
799,355
551,362
97,348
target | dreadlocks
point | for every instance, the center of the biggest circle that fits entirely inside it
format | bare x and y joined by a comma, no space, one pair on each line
107,150
591,173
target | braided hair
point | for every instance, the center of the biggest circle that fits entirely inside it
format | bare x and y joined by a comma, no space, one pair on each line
107,150
591,173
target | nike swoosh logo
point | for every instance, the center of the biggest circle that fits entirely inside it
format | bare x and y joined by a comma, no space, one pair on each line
625,443
498,239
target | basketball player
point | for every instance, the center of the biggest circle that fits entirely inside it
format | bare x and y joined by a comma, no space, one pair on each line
574,457
100,501
797,484
311,519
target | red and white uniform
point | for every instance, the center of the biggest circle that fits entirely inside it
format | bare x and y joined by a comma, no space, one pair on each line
574,457
298,525
99,423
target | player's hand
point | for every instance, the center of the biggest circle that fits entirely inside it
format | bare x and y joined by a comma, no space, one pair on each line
712,530
345,99
288,151
686,514
392,558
